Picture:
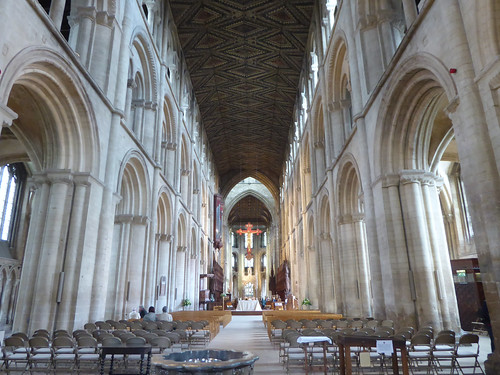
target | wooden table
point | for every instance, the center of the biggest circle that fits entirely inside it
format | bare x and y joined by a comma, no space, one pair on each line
305,341
126,350
345,343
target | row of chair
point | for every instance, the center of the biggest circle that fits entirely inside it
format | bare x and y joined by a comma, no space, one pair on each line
111,325
426,354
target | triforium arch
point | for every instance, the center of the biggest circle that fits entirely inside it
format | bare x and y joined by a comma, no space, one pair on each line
408,142
339,93
142,90
319,143
168,141
352,242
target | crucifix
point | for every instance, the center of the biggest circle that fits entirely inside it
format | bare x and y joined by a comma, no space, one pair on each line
249,231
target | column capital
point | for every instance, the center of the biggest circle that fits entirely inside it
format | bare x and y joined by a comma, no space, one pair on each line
7,115
411,176
181,249
164,237
325,236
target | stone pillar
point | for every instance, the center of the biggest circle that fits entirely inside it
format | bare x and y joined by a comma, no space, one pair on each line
398,294
419,249
149,126
5,298
52,249
84,23
56,12
163,246
312,276
119,299
338,136
410,11
180,274
329,278
70,267
136,260
437,235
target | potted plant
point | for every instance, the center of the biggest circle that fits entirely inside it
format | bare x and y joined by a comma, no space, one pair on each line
306,303
186,302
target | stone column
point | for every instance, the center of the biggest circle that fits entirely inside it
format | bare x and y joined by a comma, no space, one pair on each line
419,248
410,11
84,22
40,188
136,260
73,253
52,249
163,246
437,236
56,12
329,278
398,294
121,301
180,274
312,275
149,126
5,298
336,120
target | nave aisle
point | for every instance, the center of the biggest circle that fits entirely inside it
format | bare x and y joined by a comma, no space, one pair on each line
248,333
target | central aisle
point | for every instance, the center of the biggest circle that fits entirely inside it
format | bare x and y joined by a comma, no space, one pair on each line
248,333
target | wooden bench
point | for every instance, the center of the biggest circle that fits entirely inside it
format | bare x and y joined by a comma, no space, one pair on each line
296,315
214,318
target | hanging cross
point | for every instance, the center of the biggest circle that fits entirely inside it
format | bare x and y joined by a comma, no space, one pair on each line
249,239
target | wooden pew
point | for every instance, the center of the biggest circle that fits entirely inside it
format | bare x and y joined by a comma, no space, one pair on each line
269,316
214,318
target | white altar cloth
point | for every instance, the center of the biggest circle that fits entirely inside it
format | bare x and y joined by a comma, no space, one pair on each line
248,305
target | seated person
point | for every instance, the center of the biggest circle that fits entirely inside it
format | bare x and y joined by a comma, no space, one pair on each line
150,316
134,314
164,315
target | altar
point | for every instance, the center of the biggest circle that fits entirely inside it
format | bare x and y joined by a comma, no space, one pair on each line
248,305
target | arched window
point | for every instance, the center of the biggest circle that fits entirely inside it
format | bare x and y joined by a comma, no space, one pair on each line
11,181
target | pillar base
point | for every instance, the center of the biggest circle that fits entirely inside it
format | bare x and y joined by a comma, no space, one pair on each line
492,364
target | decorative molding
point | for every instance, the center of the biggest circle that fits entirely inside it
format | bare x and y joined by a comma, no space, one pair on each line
325,236
181,249
185,172
319,144
452,106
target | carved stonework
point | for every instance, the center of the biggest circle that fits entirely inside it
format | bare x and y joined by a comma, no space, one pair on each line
185,172
319,144
171,146
325,236
181,249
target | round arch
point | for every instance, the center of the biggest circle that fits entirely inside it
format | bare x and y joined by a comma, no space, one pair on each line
56,123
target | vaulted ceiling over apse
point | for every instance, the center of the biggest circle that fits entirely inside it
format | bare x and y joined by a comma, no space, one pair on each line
244,58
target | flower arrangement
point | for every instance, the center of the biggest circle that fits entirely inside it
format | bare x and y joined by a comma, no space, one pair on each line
186,302
306,302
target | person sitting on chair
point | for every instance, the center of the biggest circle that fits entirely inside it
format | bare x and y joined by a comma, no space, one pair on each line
164,315
150,316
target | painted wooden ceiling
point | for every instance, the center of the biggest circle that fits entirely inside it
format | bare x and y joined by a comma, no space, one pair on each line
244,58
